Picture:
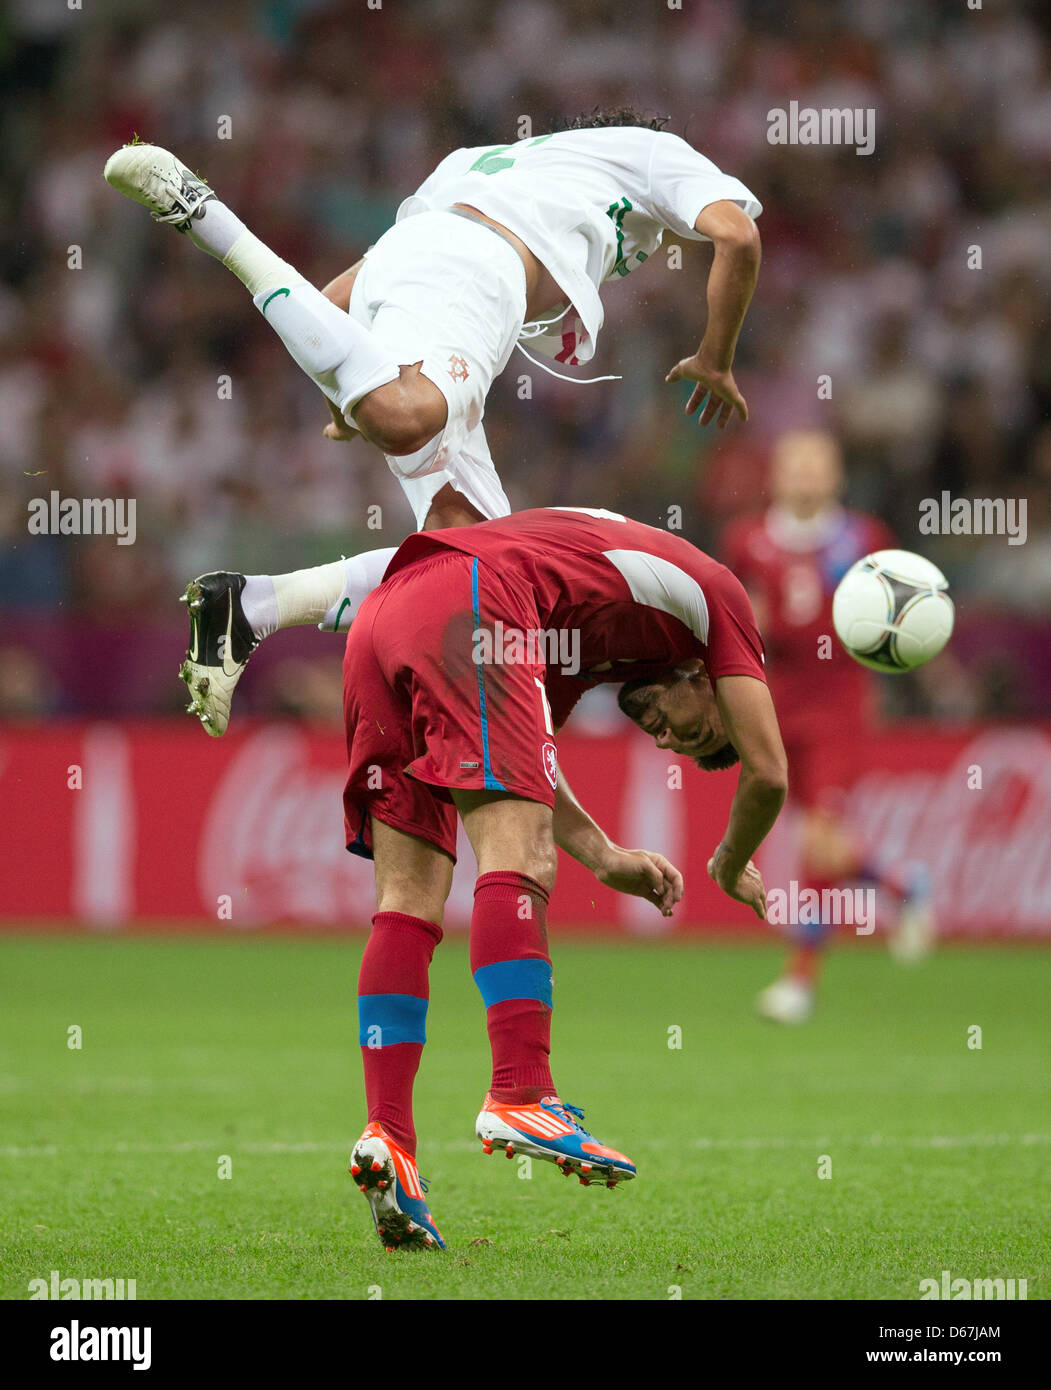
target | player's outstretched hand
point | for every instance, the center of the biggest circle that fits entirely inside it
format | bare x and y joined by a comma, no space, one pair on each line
720,388
643,874
338,429
748,889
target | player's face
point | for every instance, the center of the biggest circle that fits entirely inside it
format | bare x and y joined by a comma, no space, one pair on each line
684,718
806,472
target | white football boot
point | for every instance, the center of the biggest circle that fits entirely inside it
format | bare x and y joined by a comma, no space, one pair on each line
786,1001
221,641
155,178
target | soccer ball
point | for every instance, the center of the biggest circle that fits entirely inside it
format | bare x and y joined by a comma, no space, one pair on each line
892,610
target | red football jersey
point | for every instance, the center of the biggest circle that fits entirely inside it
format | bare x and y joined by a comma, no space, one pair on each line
791,570
637,599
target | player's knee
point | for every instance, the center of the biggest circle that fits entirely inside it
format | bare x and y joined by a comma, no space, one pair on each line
402,438
538,861
400,426
426,901
544,872
542,862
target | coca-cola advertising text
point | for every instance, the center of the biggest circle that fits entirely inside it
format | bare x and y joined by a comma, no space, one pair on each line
152,826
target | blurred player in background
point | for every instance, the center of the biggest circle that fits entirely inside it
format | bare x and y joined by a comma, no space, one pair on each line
497,246
790,559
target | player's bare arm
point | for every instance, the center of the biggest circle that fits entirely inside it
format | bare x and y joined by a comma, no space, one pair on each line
639,872
731,283
748,717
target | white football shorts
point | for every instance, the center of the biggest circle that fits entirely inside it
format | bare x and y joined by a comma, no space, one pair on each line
450,292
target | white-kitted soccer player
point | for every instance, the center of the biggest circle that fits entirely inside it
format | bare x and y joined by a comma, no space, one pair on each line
498,246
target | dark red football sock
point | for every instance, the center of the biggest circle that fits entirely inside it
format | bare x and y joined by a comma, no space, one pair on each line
512,970
804,964
392,1013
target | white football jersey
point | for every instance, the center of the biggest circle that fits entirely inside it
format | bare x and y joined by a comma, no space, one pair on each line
589,204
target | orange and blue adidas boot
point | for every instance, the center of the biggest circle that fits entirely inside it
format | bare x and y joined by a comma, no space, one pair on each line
392,1185
550,1130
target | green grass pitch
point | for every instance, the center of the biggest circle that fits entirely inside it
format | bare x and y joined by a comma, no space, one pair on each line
195,1049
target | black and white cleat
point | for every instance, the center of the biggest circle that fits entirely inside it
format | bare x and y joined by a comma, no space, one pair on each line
153,177
221,641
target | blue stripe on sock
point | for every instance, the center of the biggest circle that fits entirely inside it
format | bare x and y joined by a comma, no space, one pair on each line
401,1018
489,782
515,979
812,933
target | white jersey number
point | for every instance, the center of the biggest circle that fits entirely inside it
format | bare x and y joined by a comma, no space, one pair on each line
545,706
592,511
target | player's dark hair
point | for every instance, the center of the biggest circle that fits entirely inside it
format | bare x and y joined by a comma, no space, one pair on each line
634,698
600,117
727,756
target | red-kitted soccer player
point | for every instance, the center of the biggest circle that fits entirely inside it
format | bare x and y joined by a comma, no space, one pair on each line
453,695
790,558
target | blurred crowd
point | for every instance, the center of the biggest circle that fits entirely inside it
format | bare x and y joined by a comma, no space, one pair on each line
914,281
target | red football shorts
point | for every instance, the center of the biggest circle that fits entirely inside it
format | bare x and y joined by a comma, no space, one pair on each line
437,694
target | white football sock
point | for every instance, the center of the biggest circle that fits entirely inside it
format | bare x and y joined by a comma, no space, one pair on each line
326,594
258,268
222,234
339,354
217,229
259,604
334,350
361,574
275,601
